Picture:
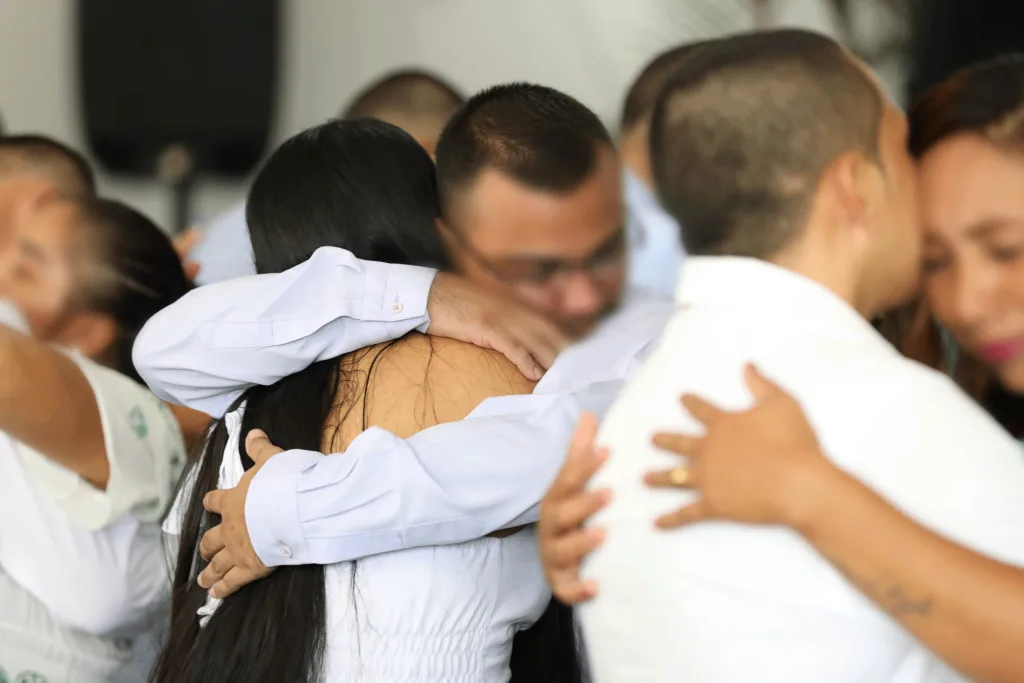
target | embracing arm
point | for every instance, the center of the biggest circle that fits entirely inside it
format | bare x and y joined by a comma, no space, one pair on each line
967,608
219,340
765,466
447,484
216,342
46,402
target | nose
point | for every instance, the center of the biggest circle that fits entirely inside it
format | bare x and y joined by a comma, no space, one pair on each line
580,295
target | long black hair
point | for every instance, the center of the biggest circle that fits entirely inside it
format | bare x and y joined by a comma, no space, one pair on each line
135,273
986,99
365,186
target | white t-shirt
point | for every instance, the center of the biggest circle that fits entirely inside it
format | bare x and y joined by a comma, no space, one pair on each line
724,603
84,581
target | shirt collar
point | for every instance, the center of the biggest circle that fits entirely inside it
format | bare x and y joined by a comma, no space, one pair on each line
643,203
763,288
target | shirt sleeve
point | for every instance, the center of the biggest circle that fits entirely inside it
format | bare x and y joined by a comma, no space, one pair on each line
144,447
213,344
448,484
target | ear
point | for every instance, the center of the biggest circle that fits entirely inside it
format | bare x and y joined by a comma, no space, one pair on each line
855,185
90,333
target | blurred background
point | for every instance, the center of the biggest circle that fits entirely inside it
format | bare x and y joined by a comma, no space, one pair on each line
318,53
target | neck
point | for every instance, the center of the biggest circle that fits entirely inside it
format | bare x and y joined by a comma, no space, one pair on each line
826,265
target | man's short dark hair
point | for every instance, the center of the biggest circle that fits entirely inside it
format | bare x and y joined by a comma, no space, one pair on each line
643,94
404,95
744,129
539,136
51,159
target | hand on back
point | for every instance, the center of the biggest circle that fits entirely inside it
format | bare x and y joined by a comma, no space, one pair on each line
462,311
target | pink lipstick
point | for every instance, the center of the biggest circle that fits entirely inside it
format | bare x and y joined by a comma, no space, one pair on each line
1002,351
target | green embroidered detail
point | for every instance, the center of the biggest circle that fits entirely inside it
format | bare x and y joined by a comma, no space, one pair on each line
29,677
138,422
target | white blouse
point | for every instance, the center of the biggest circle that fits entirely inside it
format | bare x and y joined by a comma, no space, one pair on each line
443,614
84,581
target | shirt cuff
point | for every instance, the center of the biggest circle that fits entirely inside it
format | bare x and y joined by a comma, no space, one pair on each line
272,509
397,295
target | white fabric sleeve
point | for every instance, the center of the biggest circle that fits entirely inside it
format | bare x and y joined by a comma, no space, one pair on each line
217,341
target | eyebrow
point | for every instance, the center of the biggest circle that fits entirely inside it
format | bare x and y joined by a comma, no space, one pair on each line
987,227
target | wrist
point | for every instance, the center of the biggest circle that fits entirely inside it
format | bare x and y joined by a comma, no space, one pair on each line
811,491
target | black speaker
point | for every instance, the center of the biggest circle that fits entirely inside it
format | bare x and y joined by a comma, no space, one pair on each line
950,34
178,88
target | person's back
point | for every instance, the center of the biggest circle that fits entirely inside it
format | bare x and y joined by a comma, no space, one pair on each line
722,602
437,613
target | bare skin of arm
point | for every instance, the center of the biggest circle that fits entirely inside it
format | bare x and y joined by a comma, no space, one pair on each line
764,466
47,404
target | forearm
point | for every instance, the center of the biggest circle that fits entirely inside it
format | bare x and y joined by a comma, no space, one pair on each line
46,403
448,484
213,344
965,607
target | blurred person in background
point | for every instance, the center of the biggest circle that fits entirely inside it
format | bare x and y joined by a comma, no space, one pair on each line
368,187
655,244
840,209
416,101
32,165
89,458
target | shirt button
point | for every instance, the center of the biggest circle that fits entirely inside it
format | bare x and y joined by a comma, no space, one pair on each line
396,307
285,551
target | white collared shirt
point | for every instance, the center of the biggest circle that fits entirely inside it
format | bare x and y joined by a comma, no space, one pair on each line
720,602
447,484
655,242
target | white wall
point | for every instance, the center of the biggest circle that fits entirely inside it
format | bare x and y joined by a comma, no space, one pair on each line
589,48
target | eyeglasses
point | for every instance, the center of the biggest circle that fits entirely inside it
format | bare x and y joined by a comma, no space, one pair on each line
540,271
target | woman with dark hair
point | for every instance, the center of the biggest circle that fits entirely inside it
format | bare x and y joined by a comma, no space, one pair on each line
765,466
427,614
88,456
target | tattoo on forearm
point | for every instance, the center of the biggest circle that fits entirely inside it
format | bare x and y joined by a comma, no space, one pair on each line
893,597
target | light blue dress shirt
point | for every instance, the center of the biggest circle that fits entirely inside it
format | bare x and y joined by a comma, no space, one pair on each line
447,484
224,251
655,243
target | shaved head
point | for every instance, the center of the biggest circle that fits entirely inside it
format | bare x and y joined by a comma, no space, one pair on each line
744,130
415,101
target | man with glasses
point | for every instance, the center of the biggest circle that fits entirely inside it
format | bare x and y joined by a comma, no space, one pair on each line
531,196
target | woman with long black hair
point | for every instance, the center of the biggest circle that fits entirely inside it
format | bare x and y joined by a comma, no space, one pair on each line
89,458
444,613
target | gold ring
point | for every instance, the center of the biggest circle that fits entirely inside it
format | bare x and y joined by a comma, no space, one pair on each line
679,476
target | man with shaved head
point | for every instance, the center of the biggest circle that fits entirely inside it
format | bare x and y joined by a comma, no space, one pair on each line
787,168
418,102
